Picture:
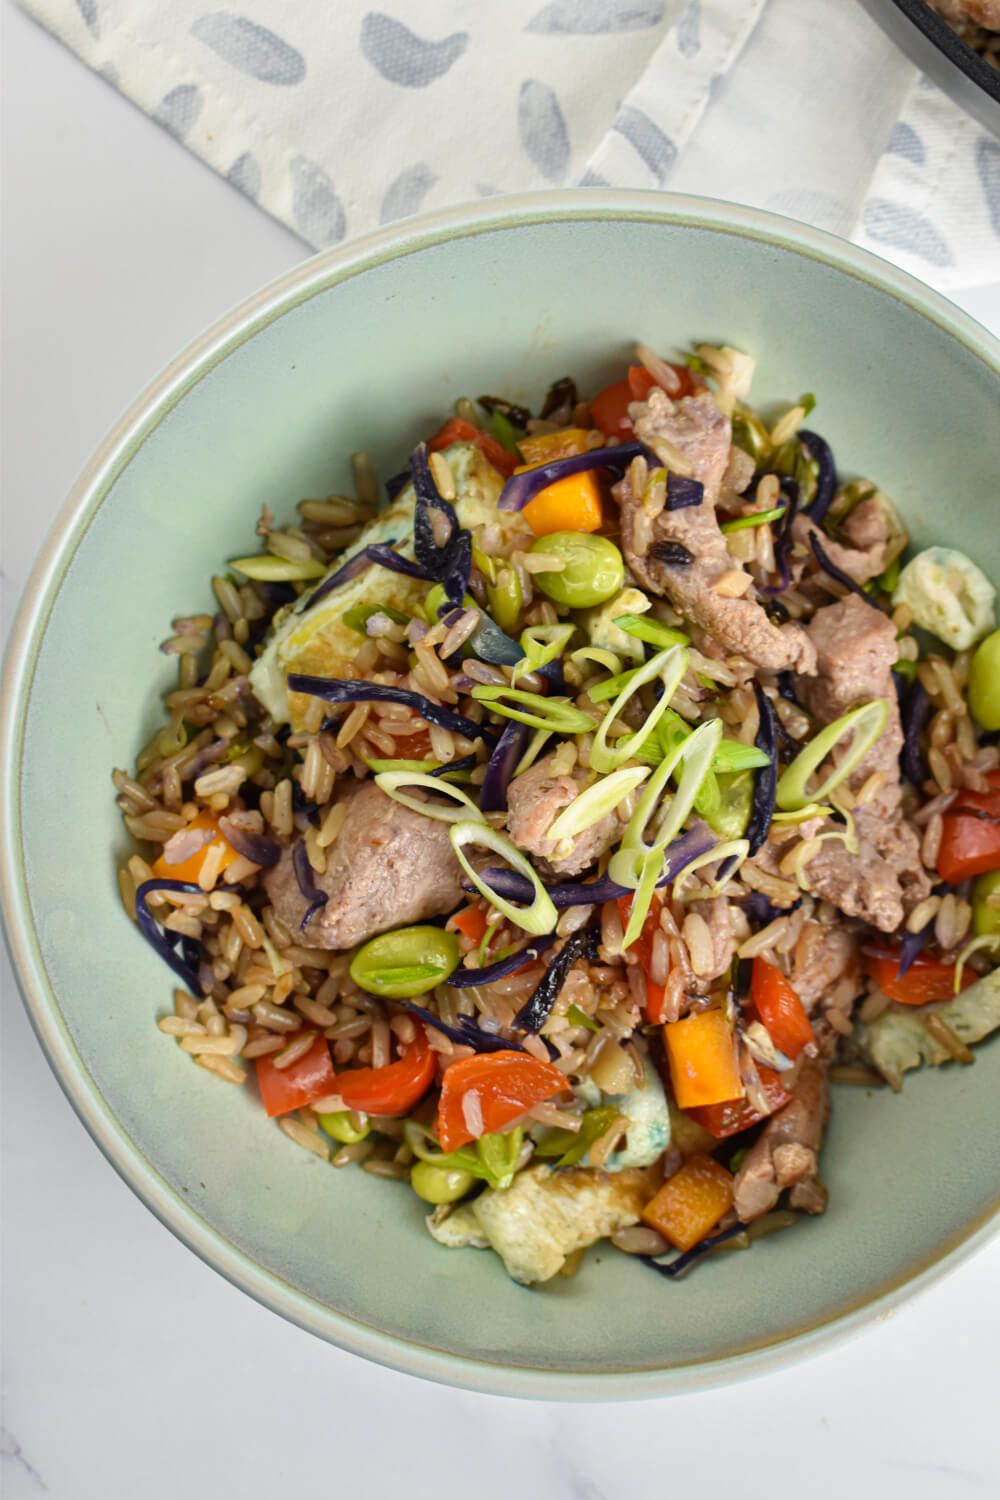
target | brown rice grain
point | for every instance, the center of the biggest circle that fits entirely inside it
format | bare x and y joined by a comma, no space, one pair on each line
943,1034
394,1169
304,1137
350,1155
185,1005
638,1240
698,940
930,844
274,1018
229,599
211,866
222,1067
923,913
365,479
180,1026
295,1049
246,924
262,1045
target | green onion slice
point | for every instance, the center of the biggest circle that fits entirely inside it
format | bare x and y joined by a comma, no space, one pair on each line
590,806
669,666
538,918
737,849
541,644
653,632
267,568
558,715
759,518
391,783
599,654
403,765
862,725
536,744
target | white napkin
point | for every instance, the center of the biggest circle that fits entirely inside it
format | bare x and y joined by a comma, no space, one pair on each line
336,118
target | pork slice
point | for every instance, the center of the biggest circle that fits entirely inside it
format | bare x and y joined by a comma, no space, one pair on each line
825,967
389,867
786,1153
534,801
701,432
856,648
736,477
864,552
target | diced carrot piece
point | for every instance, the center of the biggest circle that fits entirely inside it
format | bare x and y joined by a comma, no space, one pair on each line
691,1203
190,869
701,1052
571,504
543,447
470,922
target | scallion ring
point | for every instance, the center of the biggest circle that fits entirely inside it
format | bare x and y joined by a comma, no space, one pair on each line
390,782
556,714
538,918
759,518
736,850
541,644
864,725
669,666
593,804
653,632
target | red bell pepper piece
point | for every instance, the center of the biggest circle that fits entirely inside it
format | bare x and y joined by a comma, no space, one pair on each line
309,1077
927,979
494,1087
609,408
457,431
722,1120
394,1089
970,837
643,950
780,1009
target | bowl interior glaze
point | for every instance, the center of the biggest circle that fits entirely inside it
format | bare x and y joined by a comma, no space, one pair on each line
366,348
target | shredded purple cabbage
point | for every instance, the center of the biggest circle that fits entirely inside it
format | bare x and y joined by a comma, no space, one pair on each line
682,492
914,713
464,763
765,784
760,910
396,483
786,687
521,488
681,1263
826,483
306,880
469,978
258,847
511,886
450,562
377,552
509,749
182,953
347,690
536,1011
837,574
910,947
782,534
465,1031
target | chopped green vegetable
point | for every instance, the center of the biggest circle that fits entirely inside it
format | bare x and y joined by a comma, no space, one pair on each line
579,1017
571,1146
462,805
357,617
653,632
538,918
985,916
503,431
984,683
669,666
506,600
556,714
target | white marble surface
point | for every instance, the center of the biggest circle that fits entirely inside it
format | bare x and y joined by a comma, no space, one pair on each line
129,1368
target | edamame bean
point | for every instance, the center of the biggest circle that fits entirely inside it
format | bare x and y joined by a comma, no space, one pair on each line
984,682
346,1126
439,1184
985,919
404,963
594,568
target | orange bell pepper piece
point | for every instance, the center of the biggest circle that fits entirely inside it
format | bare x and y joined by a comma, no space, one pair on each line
544,447
190,868
691,1203
571,504
701,1053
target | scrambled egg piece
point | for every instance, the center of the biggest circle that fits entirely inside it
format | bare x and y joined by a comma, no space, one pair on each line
543,1217
897,1041
317,641
948,595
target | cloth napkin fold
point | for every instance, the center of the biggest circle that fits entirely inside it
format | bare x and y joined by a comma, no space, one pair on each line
336,118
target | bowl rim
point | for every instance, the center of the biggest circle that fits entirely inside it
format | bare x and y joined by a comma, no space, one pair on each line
193,364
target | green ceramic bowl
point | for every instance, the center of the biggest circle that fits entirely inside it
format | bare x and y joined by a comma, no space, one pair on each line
364,348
